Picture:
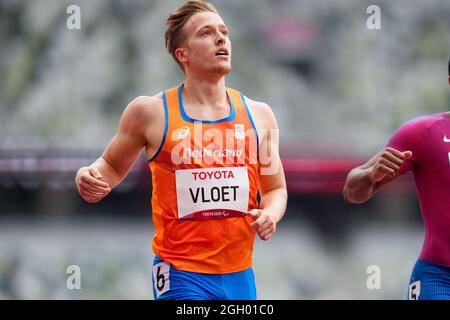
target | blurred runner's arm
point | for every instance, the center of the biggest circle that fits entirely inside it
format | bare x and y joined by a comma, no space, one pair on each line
363,181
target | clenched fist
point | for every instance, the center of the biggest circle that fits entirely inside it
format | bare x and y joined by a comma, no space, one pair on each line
265,225
90,185
388,163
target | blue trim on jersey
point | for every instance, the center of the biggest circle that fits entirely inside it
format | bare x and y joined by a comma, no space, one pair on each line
186,285
251,119
429,281
166,126
185,117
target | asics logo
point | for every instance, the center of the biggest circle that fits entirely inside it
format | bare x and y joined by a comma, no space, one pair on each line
184,131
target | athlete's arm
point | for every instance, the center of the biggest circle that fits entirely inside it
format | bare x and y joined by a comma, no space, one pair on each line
272,183
96,181
363,181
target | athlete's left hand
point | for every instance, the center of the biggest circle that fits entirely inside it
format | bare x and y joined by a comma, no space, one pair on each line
265,225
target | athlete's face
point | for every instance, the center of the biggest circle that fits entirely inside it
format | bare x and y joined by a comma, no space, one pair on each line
207,47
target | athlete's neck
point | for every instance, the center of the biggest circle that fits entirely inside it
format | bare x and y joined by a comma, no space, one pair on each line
201,92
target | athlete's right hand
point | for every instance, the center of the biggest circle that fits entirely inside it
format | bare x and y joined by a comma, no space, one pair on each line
90,185
388,163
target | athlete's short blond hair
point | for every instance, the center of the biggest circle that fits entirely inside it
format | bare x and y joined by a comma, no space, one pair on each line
174,36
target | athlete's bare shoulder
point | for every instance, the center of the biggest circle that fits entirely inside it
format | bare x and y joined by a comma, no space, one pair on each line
262,114
145,106
144,117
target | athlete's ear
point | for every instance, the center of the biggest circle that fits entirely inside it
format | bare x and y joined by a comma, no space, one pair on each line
182,55
448,79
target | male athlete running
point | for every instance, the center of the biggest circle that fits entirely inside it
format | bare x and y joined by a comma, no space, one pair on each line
210,151
421,145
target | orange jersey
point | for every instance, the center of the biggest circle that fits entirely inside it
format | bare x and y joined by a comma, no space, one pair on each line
205,180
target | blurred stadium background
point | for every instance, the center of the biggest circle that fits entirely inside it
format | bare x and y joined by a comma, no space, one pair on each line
338,90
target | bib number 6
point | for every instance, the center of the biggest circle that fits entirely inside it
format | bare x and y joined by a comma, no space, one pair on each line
161,280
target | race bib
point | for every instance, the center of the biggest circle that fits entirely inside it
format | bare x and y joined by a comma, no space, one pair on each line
414,291
161,278
212,193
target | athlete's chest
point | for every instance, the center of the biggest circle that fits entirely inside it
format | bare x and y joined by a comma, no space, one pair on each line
207,113
231,143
